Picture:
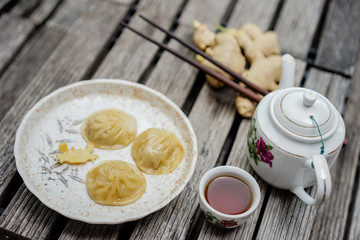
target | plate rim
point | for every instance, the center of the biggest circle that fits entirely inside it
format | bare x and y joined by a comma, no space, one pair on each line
32,189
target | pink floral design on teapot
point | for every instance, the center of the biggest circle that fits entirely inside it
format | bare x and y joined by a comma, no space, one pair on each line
257,147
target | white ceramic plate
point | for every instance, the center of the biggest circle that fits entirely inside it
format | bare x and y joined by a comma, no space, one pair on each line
58,117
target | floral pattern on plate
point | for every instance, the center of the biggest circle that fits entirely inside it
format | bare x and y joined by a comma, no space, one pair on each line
51,168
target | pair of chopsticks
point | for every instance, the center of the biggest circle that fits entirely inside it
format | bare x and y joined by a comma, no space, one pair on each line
244,91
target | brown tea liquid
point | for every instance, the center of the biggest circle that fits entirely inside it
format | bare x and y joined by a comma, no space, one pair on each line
228,195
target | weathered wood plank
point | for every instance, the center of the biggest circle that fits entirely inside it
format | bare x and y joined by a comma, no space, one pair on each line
68,12
259,12
14,32
333,86
88,38
171,74
29,206
26,64
131,54
23,7
78,230
45,9
123,2
297,24
207,12
238,158
354,232
286,216
330,222
339,42
4,3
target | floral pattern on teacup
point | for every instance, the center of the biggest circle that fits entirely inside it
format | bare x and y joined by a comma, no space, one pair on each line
219,223
258,149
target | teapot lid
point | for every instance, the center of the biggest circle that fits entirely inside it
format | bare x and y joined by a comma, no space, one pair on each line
293,108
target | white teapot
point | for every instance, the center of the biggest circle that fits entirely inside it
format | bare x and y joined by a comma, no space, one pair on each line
295,136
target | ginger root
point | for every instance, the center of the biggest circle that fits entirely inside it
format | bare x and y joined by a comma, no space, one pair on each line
203,36
261,50
266,43
264,72
251,51
263,53
245,106
227,52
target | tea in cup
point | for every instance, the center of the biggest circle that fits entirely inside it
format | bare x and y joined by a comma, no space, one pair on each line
228,196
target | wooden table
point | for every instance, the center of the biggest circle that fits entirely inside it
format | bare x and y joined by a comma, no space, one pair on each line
46,44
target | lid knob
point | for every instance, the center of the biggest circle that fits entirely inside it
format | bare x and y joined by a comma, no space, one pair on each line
309,98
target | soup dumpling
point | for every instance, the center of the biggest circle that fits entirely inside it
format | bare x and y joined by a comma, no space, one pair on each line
115,183
157,151
109,129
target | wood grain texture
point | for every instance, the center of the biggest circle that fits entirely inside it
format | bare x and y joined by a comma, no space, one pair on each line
259,12
354,232
88,37
26,64
23,7
207,12
286,216
123,2
340,39
297,24
330,222
131,54
4,3
79,230
44,10
178,75
238,158
68,12
13,34
334,87
20,219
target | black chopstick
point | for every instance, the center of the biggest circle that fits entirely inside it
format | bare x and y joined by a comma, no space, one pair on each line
216,63
244,91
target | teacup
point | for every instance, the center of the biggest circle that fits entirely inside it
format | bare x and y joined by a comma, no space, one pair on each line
234,174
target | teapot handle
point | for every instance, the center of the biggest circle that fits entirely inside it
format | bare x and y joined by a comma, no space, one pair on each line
323,181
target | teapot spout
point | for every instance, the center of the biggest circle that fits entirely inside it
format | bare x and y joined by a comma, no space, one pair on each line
287,72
